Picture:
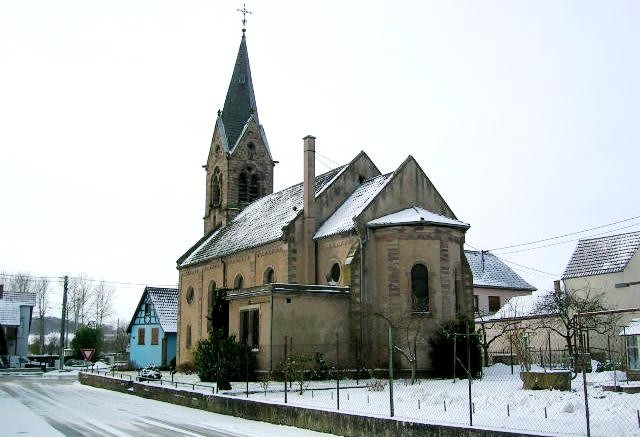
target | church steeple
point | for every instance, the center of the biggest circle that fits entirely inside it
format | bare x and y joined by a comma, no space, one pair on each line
240,102
239,167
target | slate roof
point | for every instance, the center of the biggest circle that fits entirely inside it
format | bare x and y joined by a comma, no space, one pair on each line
261,222
416,215
490,272
240,102
10,306
342,220
165,304
597,256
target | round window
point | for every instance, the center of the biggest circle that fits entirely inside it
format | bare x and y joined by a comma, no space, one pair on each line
335,272
190,295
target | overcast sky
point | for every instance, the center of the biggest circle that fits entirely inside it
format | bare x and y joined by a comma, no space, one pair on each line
524,114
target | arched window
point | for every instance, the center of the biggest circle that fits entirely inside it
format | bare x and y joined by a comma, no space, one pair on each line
189,295
238,282
215,188
188,335
334,274
269,276
243,195
420,288
254,188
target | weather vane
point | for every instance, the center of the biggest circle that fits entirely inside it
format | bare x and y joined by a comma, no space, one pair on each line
244,13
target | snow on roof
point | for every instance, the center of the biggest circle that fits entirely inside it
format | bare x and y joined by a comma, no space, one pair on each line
261,222
165,302
520,306
633,328
490,272
416,214
597,256
10,306
342,219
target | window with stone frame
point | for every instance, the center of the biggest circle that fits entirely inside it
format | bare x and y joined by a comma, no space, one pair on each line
494,303
155,334
216,193
420,288
238,282
188,337
250,327
141,335
269,276
243,187
476,303
254,188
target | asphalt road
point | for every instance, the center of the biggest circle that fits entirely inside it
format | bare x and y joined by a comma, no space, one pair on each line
62,406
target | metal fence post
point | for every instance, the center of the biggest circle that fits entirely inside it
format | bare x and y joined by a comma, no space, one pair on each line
468,337
286,364
390,369
337,371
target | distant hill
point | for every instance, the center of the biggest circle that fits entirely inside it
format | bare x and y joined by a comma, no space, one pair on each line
52,324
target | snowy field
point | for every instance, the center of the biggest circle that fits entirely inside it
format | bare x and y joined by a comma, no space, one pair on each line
498,401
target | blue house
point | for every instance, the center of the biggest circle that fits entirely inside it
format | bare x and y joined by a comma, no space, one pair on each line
153,327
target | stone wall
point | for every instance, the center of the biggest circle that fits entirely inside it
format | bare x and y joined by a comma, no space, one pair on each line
349,425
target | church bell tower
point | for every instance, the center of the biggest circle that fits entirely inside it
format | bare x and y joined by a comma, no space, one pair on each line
239,166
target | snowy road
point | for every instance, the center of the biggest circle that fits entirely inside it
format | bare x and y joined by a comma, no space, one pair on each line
62,406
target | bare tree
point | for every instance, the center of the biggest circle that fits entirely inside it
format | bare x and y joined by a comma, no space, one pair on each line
102,303
409,329
563,305
79,301
41,289
21,282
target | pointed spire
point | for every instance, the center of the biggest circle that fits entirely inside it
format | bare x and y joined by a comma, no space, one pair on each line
240,103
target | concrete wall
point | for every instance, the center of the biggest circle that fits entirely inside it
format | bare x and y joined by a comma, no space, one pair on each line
348,425
263,304
311,321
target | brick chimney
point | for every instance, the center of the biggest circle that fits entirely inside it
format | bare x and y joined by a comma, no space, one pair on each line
309,248
556,286
1,290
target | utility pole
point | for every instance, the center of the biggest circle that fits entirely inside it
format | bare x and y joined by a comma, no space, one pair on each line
62,322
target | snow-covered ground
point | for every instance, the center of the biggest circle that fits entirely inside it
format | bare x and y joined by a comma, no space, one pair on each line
498,401
55,407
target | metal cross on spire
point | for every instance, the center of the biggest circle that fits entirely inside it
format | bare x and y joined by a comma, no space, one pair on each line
244,13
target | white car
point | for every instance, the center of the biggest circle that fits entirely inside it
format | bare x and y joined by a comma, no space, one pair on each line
149,373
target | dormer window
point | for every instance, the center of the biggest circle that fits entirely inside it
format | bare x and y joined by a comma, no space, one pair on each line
242,79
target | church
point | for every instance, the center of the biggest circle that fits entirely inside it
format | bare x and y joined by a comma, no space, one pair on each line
334,259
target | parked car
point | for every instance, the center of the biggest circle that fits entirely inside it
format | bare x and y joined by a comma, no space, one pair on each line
149,373
78,363
27,363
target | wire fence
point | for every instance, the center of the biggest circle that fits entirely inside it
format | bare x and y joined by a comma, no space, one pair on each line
550,391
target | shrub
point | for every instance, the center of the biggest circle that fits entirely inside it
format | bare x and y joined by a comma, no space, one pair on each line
186,367
442,345
87,338
222,359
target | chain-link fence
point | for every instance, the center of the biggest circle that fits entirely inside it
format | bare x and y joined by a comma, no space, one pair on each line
548,392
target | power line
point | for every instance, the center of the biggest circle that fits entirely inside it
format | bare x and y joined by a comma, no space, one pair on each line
324,163
474,248
327,158
527,267
566,235
79,278
569,241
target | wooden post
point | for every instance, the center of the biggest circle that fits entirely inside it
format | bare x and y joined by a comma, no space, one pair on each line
391,369
468,337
